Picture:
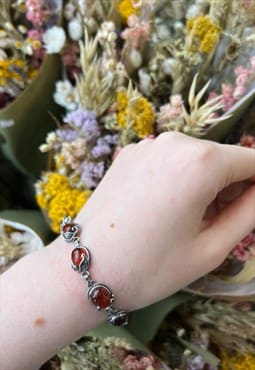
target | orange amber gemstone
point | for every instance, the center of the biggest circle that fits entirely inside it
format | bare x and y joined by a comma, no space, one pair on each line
78,255
68,227
100,296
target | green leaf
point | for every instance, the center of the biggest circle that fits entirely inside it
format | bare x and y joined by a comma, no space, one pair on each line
144,324
31,218
207,356
106,330
30,113
222,129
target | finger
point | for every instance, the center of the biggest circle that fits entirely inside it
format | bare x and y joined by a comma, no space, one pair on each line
238,163
225,197
233,223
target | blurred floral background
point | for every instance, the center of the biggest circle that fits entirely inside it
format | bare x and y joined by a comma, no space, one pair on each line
79,80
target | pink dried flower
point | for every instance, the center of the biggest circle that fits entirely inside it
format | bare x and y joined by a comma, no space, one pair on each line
228,99
239,91
35,34
131,362
243,306
227,89
171,111
248,141
176,102
241,251
242,75
136,32
70,54
248,240
38,53
147,360
35,12
212,95
241,254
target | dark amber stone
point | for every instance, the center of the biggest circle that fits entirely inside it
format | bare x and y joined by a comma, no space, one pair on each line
100,296
77,256
118,318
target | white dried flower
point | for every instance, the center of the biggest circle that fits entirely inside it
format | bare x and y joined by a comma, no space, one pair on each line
170,66
44,148
178,26
162,33
145,81
82,6
69,11
75,29
107,33
51,138
54,39
22,28
27,48
108,26
193,11
91,24
66,95
135,58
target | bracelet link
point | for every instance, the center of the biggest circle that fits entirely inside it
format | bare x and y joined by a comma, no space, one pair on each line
98,294
69,230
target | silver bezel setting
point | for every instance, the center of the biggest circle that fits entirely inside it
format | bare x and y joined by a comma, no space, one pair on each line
96,286
69,236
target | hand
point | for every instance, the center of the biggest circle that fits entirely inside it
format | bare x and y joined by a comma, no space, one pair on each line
152,225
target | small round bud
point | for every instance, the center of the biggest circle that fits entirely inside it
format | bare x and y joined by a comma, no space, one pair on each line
135,58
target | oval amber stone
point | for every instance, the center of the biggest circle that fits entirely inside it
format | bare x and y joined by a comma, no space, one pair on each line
118,318
77,256
100,296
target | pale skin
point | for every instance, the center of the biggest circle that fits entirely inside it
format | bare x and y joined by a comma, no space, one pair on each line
152,226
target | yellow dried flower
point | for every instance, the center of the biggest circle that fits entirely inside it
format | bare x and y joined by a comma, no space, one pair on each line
22,6
208,42
41,200
59,161
36,44
32,74
140,112
66,202
58,198
204,33
237,361
10,69
126,8
18,44
3,33
55,183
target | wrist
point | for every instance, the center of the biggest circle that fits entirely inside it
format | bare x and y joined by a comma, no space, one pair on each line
99,293
105,243
44,308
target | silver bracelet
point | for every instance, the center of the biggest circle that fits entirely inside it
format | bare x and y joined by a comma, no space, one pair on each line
98,294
